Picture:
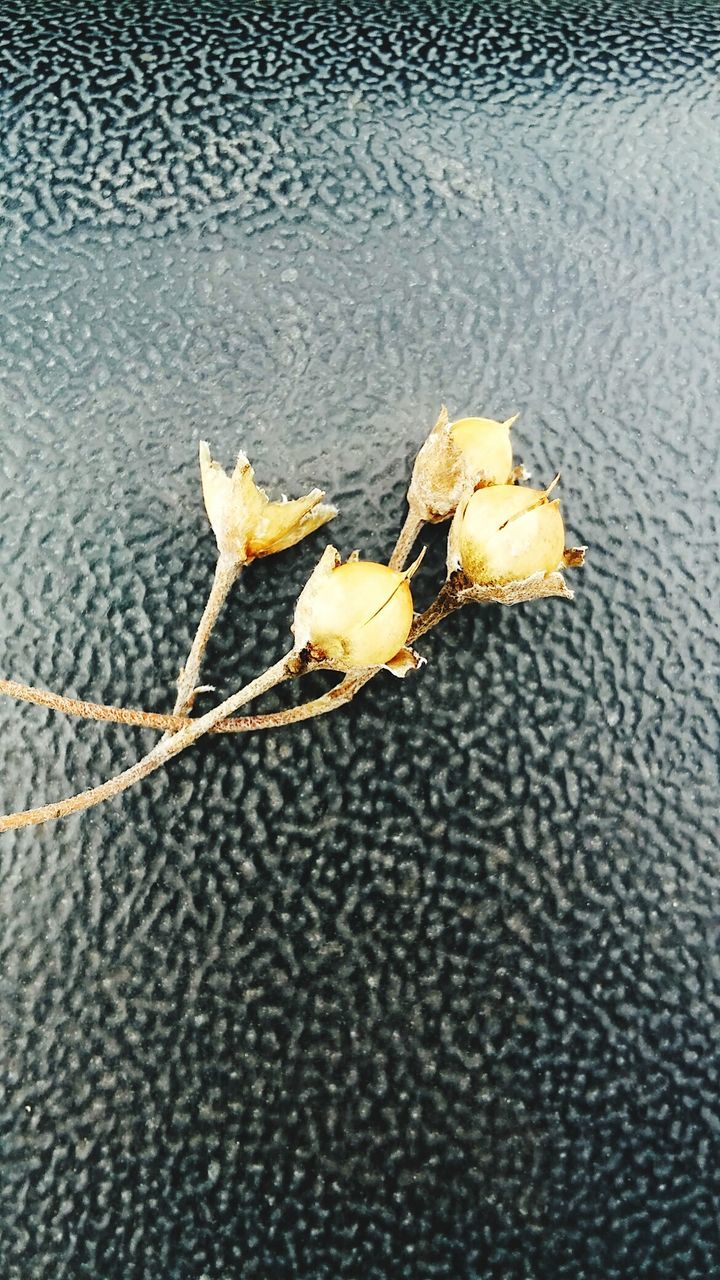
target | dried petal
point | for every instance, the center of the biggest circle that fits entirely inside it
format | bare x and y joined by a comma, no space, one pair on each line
536,587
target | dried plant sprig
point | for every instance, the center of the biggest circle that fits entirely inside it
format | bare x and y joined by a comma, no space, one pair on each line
458,590
86,710
506,545
328,636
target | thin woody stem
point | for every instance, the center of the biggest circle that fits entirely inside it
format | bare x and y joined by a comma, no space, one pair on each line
406,538
446,602
289,665
226,574
170,723
338,696
115,715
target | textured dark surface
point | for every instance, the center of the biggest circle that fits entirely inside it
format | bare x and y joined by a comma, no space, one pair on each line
428,988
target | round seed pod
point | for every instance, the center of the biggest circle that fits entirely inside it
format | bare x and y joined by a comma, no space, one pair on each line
356,615
485,447
507,533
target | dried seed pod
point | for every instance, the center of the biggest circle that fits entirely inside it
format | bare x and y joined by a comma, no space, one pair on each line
505,533
486,447
246,524
356,615
454,460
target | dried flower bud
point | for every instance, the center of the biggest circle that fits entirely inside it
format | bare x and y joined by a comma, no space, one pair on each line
245,522
455,459
356,615
507,533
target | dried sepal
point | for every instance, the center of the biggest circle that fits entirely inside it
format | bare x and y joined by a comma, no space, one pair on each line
437,468
287,522
405,661
539,586
574,557
302,624
454,562
246,524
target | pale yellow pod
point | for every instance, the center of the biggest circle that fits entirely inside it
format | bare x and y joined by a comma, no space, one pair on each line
485,446
508,532
360,614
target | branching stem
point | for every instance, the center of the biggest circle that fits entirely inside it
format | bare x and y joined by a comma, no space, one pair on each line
180,730
289,665
335,697
446,602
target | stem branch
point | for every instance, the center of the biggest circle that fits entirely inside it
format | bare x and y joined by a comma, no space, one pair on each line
227,571
406,538
288,666
170,723
446,602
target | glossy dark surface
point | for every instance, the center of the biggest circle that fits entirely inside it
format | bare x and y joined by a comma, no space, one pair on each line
428,988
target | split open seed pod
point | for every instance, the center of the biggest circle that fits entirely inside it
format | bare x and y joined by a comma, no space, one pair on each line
355,616
246,524
507,544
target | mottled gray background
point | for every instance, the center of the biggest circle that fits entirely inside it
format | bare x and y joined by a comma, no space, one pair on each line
428,988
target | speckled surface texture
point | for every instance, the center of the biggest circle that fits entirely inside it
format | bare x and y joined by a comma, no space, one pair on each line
428,988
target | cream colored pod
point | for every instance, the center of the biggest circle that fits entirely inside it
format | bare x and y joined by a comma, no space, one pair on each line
455,459
356,615
507,533
485,446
